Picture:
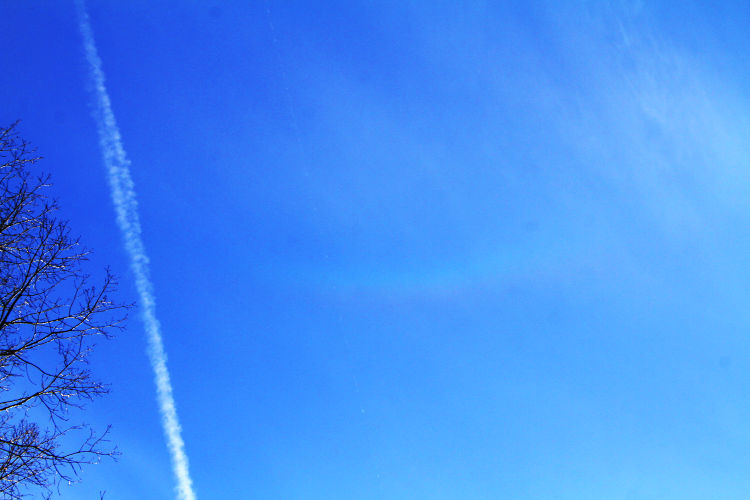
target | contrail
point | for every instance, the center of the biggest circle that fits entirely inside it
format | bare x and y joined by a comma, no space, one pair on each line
126,207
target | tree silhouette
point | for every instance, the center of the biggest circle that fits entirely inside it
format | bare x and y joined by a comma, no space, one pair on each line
49,315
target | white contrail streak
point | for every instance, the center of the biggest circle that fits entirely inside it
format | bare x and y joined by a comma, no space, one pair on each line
126,207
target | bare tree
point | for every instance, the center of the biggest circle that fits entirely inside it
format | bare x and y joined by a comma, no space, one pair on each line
49,314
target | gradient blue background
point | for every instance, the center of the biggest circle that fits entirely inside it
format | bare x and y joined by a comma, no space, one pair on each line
415,250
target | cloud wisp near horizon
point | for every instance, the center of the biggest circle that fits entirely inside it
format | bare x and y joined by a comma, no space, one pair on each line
126,207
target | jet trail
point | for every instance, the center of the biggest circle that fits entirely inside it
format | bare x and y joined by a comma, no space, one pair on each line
126,207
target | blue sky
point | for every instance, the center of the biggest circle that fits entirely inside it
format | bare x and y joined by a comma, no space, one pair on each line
409,250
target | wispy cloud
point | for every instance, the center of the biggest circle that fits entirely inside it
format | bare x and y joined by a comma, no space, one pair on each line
126,206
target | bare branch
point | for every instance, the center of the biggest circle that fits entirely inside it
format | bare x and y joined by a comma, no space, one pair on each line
48,315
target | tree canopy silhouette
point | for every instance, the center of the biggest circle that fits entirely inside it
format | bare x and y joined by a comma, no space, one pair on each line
49,315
